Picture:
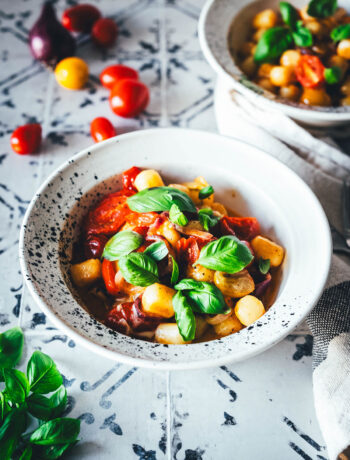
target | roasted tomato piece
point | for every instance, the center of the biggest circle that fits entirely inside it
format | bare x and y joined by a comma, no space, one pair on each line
108,275
110,214
246,228
129,176
94,245
187,250
310,71
141,219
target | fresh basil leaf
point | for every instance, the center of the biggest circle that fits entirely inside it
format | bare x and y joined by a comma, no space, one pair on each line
160,199
184,317
121,244
157,251
264,265
175,271
321,8
57,431
272,44
341,32
226,254
301,35
187,284
54,452
4,406
205,297
42,373
205,192
11,346
17,385
14,425
207,218
332,75
45,408
27,453
139,269
289,14
177,216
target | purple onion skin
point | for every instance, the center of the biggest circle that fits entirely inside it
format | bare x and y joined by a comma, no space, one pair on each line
49,41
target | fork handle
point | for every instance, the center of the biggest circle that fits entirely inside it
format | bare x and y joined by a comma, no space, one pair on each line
346,207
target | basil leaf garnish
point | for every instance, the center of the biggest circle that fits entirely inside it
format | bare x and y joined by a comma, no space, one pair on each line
159,199
289,14
17,386
272,44
264,265
13,426
332,75
184,317
121,244
205,192
207,218
157,250
139,269
57,431
45,408
205,297
322,8
187,284
301,35
175,271
226,254
42,373
177,216
11,346
341,32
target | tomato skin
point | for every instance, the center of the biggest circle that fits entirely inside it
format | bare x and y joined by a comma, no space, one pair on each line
108,275
26,139
187,250
72,73
310,71
129,98
104,32
80,18
114,73
129,176
101,129
246,228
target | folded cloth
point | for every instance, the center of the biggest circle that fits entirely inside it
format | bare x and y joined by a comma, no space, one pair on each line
321,163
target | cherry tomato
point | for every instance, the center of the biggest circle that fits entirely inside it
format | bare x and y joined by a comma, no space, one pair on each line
26,139
187,250
114,73
129,98
72,73
101,129
246,228
80,18
104,32
129,176
94,245
310,71
108,275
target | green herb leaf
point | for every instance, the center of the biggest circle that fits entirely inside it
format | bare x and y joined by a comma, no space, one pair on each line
17,386
322,8
177,216
205,192
157,251
45,408
42,373
57,431
184,317
11,346
205,297
27,453
341,32
160,199
4,407
226,254
14,425
332,75
301,35
289,14
264,265
187,284
54,452
272,44
175,271
139,269
121,244
207,218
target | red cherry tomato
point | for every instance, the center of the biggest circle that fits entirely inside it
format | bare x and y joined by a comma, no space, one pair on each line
310,71
246,228
101,129
80,18
129,176
94,245
26,139
129,98
114,73
104,32
108,275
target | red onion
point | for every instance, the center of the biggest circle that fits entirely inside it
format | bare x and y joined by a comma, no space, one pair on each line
49,41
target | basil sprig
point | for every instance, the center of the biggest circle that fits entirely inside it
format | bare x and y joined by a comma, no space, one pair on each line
42,373
264,265
184,317
204,297
226,254
341,32
272,44
289,14
121,244
157,251
11,346
205,192
177,216
207,218
302,35
333,75
322,8
157,199
139,269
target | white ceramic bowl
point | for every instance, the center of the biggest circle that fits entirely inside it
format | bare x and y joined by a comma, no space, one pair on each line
245,179
225,24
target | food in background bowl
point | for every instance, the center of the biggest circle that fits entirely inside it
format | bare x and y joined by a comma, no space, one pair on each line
301,55
175,267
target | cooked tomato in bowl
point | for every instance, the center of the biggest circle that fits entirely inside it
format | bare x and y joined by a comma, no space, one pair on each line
169,264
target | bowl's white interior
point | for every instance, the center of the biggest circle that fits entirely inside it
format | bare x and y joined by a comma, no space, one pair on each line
244,178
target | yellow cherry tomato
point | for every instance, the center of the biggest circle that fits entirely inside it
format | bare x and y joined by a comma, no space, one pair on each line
72,73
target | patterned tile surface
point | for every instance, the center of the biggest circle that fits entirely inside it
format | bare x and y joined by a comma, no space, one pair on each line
259,409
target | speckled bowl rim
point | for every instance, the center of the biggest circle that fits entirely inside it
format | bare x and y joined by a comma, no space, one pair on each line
147,362
216,50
